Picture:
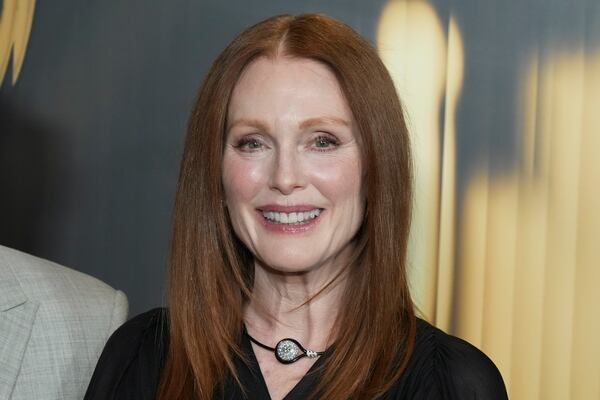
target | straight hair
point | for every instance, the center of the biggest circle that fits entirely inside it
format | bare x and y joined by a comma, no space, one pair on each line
211,271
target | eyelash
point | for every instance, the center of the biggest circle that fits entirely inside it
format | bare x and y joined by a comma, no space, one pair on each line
329,141
244,142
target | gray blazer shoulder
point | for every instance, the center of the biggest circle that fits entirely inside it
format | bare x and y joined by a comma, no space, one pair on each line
54,322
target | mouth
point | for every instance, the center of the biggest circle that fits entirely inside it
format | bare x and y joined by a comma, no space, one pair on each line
291,218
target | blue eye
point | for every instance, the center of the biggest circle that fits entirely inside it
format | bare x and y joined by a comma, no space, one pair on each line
248,144
325,142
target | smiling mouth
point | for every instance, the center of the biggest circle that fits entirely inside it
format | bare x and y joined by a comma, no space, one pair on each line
292,218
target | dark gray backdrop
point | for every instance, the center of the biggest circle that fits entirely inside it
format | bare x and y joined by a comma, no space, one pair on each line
91,134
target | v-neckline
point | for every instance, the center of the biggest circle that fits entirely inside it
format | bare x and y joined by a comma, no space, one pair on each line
300,390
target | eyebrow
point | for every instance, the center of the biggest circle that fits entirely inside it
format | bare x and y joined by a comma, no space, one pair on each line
255,123
323,121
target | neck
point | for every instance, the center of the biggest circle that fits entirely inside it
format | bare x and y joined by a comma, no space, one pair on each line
278,308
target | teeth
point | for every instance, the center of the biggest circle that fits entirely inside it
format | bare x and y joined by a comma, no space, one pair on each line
291,218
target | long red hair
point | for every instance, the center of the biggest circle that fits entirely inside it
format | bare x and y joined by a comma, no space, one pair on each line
210,271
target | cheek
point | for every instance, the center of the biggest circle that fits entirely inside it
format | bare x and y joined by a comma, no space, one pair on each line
340,180
241,181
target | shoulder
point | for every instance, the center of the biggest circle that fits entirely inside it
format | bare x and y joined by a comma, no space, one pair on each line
443,366
46,303
148,328
71,291
67,298
130,364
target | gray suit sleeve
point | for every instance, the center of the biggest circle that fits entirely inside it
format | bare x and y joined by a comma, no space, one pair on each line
119,312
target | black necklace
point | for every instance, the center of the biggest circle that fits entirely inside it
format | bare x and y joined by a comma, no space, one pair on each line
288,350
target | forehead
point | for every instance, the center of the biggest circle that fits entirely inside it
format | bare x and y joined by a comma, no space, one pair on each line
286,85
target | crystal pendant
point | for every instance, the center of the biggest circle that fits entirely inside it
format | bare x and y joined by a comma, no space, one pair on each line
288,351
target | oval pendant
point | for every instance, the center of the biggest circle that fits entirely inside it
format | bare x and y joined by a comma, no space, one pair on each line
288,351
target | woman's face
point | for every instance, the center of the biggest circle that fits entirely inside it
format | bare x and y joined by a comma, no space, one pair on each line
291,167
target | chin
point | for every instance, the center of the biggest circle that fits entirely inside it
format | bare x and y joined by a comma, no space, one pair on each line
295,262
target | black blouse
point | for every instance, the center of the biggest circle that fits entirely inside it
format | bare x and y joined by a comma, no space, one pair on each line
441,367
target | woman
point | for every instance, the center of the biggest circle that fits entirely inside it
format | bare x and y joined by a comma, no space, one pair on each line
291,221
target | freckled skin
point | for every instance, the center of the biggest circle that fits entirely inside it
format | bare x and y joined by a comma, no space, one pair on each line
275,160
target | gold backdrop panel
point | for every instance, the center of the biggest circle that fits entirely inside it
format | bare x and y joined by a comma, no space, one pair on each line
425,62
529,255
523,285
15,26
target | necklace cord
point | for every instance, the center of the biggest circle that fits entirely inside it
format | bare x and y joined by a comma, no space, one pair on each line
283,353
256,342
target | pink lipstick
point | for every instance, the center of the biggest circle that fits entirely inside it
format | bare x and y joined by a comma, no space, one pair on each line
291,219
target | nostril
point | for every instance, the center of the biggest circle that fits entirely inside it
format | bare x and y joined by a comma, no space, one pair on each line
287,174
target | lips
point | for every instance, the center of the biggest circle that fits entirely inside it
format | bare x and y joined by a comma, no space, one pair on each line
292,217
289,219
288,208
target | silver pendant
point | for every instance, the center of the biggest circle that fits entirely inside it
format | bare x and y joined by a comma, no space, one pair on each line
289,350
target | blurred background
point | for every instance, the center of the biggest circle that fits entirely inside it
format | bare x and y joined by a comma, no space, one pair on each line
503,102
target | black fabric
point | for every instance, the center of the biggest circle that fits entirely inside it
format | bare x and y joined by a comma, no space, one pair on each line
441,367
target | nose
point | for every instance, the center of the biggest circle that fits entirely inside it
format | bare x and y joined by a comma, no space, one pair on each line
287,172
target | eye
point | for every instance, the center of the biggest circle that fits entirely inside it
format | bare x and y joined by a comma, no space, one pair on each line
326,142
248,145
